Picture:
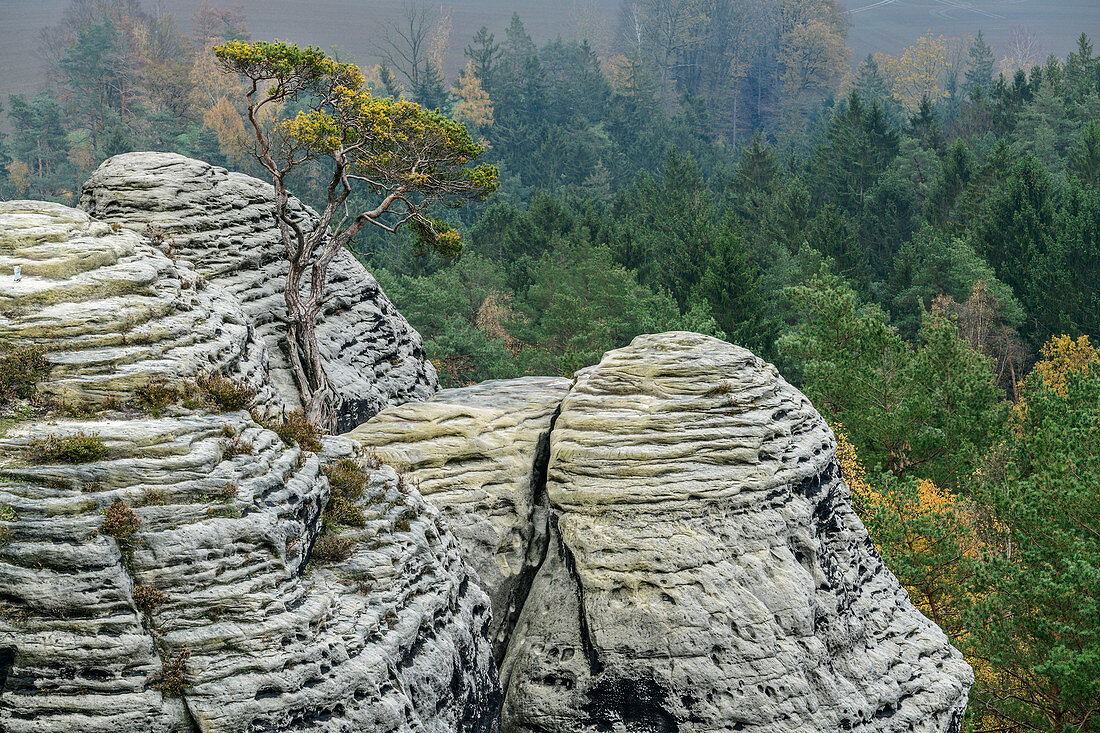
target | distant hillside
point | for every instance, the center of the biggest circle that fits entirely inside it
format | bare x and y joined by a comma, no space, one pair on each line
877,25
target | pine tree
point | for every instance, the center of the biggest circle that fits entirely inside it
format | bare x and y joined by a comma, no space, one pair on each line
1084,158
1036,618
730,285
979,74
483,53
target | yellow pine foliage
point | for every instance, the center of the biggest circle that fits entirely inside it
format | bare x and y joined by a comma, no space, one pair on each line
1060,357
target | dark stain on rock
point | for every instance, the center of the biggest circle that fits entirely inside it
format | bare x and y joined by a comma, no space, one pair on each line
639,705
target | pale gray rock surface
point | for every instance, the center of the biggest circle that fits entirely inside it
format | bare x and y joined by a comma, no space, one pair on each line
112,312
223,224
395,638
706,570
479,454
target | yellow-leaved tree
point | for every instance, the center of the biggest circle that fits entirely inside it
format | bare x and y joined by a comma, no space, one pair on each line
920,71
474,106
406,157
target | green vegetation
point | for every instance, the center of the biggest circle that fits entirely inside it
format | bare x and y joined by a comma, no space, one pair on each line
296,429
75,448
21,369
119,521
1037,586
348,482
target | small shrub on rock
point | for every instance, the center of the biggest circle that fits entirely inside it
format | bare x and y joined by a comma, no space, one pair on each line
120,521
153,497
21,369
7,513
77,448
156,394
228,395
231,448
172,680
225,494
347,481
332,548
296,428
148,597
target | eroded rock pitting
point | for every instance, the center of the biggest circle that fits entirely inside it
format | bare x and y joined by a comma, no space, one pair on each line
222,223
705,570
257,636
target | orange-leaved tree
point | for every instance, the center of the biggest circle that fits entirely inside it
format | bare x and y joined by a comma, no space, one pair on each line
409,158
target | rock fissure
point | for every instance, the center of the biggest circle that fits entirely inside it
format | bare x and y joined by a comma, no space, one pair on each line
665,542
588,642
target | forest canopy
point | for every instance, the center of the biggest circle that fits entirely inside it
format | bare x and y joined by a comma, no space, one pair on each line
914,238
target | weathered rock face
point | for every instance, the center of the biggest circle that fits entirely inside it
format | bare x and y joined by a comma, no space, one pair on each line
223,224
393,639
112,310
666,541
219,591
479,454
705,568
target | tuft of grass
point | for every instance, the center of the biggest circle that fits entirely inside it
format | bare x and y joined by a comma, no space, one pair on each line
228,395
233,447
224,510
153,497
21,369
148,597
296,428
76,448
332,548
347,481
120,521
172,680
7,513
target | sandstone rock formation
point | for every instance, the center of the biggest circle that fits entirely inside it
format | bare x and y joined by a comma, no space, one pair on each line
479,454
112,310
223,224
705,568
215,615
666,541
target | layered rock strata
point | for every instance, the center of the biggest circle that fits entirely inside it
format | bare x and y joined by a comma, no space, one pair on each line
479,454
223,224
705,570
209,618
216,613
113,312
